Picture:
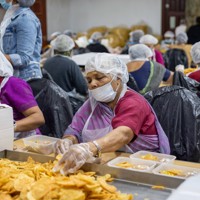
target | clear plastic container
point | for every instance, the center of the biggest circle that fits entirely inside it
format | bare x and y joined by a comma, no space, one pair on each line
40,144
178,171
132,164
153,156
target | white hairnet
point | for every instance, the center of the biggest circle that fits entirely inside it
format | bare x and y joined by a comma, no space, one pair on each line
6,68
136,35
54,35
182,38
108,64
148,39
140,52
26,3
96,36
195,53
63,43
169,34
70,33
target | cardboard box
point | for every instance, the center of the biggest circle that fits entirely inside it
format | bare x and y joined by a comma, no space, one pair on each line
6,117
6,127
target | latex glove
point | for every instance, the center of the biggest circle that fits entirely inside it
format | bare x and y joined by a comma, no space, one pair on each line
74,159
62,146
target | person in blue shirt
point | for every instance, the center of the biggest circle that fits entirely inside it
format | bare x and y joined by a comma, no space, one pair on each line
147,74
21,38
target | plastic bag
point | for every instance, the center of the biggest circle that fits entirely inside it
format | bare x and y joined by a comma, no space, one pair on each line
76,103
181,80
174,57
132,83
55,104
178,111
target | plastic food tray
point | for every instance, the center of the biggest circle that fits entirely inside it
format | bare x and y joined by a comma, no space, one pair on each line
40,143
162,158
185,171
148,165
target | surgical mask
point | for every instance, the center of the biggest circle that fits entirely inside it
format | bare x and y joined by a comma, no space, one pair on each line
169,41
104,93
5,5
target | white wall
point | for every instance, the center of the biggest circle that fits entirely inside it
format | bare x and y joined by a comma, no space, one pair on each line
79,15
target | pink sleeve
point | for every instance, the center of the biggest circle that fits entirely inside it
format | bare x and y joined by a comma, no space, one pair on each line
129,113
20,95
159,57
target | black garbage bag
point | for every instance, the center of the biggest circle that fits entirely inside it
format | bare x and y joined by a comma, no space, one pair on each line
181,80
132,83
46,74
178,111
174,57
76,103
55,104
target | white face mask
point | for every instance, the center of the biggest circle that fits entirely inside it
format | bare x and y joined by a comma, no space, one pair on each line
104,93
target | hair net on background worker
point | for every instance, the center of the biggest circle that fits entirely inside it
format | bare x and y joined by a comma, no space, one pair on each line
148,39
108,64
96,36
26,3
69,33
63,43
169,34
6,68
195,53
140,52
182,38
136,35
54,35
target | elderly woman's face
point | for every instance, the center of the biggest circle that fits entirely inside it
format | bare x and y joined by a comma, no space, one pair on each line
97,79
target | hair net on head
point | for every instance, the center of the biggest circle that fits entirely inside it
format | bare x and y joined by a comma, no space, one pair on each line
148,39
182,38
54,35
140,52
26,3
6,68
136,35
195,53
70,33
169,34
96,36
63,43
108,64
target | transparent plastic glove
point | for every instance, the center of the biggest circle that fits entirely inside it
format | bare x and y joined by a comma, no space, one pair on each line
74,159
62,146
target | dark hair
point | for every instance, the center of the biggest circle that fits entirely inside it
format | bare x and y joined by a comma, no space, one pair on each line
198,20
65,53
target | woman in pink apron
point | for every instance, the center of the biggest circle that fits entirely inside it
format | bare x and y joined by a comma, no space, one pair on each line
113,118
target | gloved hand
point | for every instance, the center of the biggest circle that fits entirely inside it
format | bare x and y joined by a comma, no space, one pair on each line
74,159
62,146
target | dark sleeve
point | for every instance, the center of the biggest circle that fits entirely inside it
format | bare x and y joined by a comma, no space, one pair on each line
78,80
166,75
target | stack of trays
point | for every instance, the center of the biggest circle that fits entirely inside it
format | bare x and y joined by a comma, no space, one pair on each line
157,163
6,127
